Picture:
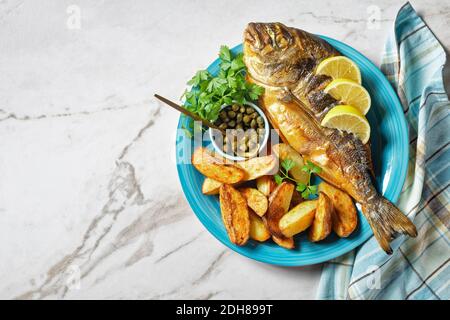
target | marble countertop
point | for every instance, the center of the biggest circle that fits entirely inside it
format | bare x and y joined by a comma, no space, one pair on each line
90,202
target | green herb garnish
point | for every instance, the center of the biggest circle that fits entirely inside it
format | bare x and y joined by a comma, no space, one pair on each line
208,93
306,190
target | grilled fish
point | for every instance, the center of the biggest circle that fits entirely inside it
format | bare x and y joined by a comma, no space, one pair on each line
283,60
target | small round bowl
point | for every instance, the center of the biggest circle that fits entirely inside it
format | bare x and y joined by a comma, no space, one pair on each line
262,144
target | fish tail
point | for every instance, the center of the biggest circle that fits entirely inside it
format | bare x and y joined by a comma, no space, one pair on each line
386,221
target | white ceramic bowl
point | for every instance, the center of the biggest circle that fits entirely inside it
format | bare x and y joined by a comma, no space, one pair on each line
262,145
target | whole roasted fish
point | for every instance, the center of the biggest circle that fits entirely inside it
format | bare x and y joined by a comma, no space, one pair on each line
283,60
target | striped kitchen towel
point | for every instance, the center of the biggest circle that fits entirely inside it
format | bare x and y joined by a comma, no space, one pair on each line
413,62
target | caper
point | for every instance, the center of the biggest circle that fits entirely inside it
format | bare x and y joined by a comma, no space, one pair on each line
232,123
249,110
222,115
235,107
239,126
252,124
254,115
226,120
261,125
246,119
260,119
239,117
223,126
231,114
242,110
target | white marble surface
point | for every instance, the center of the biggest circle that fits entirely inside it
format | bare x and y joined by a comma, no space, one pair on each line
86,186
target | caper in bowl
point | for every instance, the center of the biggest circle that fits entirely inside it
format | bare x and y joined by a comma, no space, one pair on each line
247,131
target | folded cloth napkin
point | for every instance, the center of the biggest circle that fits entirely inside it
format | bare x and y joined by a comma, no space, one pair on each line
413,62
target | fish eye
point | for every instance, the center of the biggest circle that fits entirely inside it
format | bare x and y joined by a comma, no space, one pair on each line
280,37
282,41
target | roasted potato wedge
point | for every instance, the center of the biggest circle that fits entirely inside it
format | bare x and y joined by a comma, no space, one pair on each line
345,218
214,168
253,169
266,185
258,230
284,242
258,167
235,214
255,200
278,206
285,151
322,224
211,186
298,219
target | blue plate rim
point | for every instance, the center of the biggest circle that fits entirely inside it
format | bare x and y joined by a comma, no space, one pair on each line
398,111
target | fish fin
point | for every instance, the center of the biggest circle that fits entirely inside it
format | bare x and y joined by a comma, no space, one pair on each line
386,221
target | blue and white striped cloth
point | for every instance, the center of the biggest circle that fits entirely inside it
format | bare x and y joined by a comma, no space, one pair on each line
413,62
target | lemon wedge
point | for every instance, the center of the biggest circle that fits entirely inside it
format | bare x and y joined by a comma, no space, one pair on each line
350,93
350,119
340,67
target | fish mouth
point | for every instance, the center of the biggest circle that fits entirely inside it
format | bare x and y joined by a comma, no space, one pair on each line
253,35
260,35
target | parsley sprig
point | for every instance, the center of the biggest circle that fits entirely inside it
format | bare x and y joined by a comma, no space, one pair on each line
208,93
306,190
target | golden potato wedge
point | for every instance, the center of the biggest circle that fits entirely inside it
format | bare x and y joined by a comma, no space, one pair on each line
214,168
284,242
266,185
253,169
235,214
322,224
255,200
345,218
258,167
285,151
298,219
258,230
211,186
278,206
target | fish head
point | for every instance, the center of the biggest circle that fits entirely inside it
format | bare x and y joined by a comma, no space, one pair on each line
272,53
277,55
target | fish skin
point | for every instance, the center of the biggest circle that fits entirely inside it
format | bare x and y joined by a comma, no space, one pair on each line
282,60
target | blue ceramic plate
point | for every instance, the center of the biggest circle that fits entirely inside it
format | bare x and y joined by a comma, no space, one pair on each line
389,139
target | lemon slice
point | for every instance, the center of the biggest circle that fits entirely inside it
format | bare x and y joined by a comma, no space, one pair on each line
351,93
340,67
350,119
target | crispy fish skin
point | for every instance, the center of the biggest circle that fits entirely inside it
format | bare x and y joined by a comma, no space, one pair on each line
283,60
